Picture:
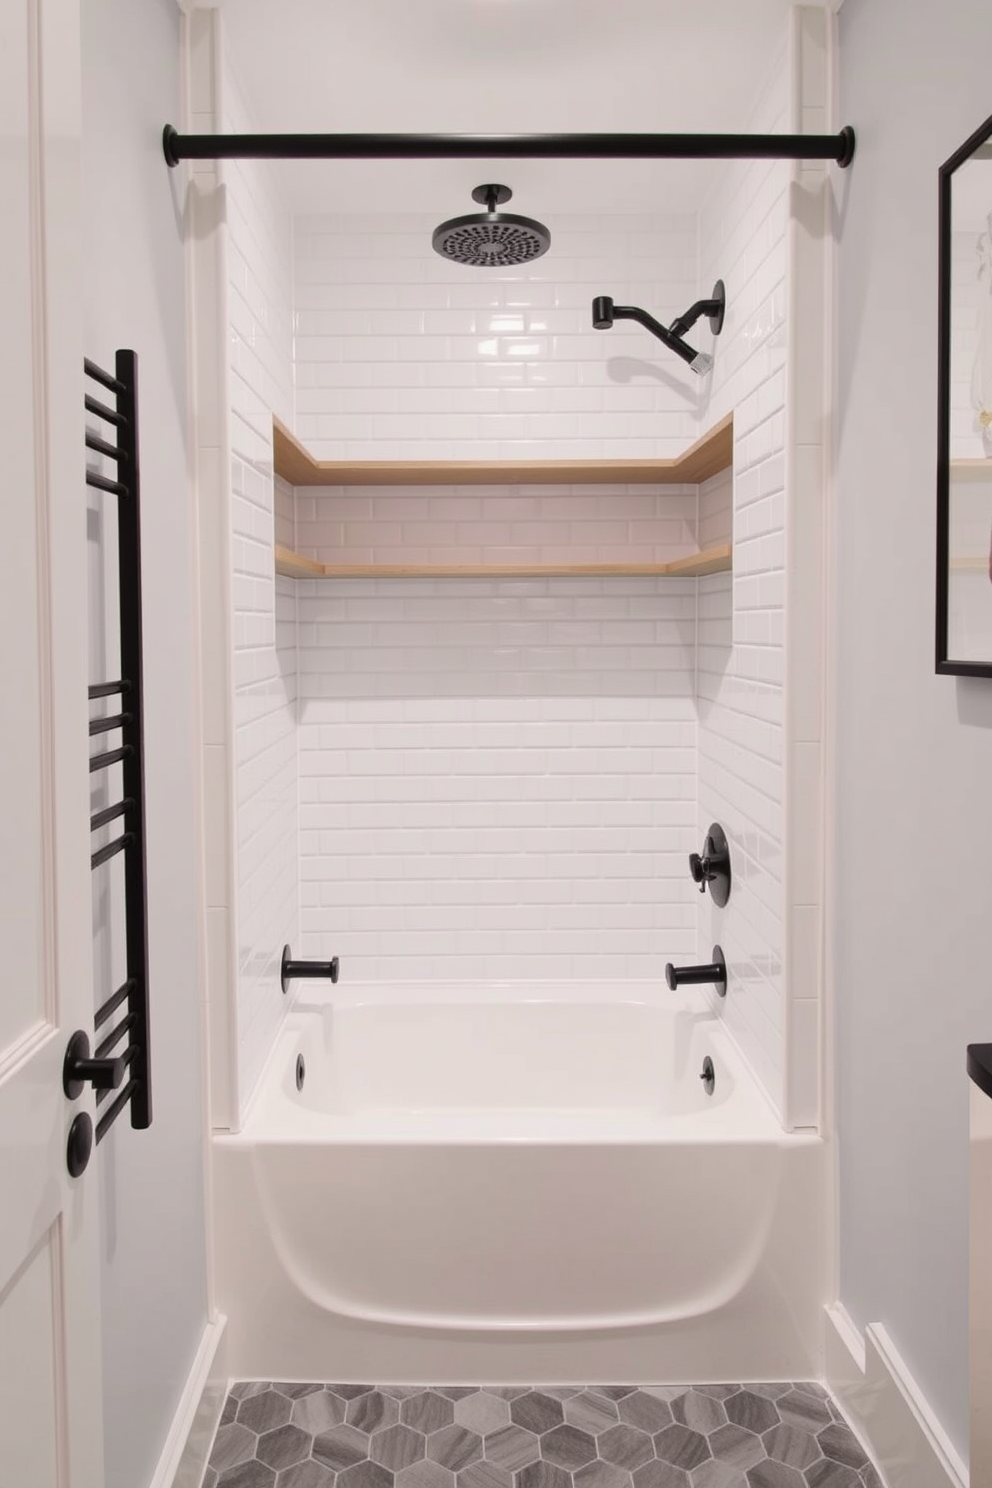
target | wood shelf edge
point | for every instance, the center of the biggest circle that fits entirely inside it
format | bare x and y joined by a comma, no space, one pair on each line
292,565
708,456
713,560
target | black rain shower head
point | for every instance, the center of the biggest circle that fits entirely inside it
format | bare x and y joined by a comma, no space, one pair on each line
491,239
604,313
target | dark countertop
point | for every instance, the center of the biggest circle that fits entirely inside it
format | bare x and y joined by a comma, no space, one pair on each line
980,1066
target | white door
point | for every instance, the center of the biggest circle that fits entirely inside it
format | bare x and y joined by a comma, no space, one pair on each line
50,1406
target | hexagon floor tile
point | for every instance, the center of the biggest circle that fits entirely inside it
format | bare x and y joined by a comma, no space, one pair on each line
788,1435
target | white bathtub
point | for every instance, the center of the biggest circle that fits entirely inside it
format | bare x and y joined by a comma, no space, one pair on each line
501,1184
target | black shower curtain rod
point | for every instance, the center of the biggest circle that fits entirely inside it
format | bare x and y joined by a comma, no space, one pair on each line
838,147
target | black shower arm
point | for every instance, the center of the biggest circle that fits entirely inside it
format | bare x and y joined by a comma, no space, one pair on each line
683,323
671,339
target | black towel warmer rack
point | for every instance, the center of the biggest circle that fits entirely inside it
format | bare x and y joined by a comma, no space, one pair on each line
124,1068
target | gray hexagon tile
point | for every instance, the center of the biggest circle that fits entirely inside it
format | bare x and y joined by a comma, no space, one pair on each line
232,1444
454,1447
427,1412
797,1409
681,1446
786,1434
307,1474
482,1412
537,1412
714,1474
264,1412
512,1447
341,1447
253,1474
397,1447
661,1475
625,1446
754,1412
544,1475
485,1475
372,1411
318,1412
700,1411
425,1475
601,1475
284,1446
736,1446
774,1475
591,1412
644,1411
568,1447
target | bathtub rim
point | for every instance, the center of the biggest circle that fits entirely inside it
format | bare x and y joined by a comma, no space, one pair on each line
754,1115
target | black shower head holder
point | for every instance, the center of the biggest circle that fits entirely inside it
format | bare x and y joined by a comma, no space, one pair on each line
715,308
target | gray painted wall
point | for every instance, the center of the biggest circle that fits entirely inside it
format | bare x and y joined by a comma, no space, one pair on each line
912,921
154,1255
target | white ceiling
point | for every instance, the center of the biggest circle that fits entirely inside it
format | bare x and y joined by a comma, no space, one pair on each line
502,66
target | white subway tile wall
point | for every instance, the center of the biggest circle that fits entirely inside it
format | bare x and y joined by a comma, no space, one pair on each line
259,291
502,778
743,240
401,354
285,515
496,524
497,778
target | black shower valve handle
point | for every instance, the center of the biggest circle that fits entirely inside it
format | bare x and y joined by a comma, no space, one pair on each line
290,970
711,868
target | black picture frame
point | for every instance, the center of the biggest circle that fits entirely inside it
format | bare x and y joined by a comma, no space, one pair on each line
946,664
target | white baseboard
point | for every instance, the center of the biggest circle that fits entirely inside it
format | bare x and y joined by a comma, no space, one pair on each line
191,1434
886,1407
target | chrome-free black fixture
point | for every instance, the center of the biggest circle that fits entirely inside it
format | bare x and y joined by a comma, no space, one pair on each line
605,312
290,969
121,1060
711,867
491,239
688,976
838,147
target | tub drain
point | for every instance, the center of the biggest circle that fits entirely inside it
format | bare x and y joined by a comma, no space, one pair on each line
708,1075
301,1071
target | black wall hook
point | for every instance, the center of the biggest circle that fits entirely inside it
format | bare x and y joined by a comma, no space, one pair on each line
291,969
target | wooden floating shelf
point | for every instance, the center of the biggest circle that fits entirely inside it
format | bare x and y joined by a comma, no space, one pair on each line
714,560
972,469
707,457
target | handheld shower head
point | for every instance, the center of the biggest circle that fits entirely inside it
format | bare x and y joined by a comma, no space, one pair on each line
605,312
602,313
